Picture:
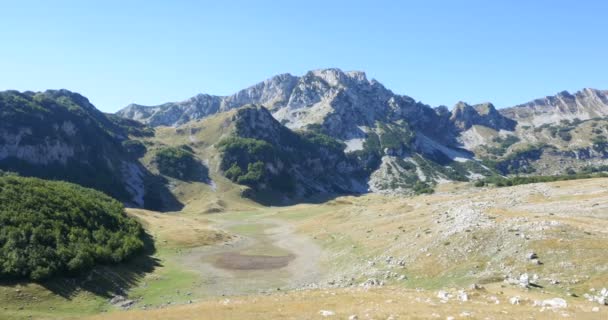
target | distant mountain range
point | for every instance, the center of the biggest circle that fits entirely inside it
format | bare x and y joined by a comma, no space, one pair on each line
298,101
327,131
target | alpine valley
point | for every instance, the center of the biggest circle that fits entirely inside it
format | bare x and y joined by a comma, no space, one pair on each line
303,197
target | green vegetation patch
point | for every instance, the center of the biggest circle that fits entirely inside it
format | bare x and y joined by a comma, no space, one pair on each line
51,228
503,145
244,161
180,163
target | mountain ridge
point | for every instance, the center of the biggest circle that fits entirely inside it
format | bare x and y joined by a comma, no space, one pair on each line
404,142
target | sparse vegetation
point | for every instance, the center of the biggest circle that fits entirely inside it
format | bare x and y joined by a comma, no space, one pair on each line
514,181
503,145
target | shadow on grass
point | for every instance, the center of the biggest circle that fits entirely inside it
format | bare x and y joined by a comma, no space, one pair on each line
104,280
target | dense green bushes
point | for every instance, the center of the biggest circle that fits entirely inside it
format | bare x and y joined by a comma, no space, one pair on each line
50,228
179,163
243,160
259,164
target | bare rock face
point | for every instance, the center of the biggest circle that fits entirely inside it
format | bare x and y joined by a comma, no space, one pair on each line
339,101
173,113
584,104
465,116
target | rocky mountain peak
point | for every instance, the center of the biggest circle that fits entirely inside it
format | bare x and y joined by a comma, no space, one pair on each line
486,108
465,116
336,77
270,92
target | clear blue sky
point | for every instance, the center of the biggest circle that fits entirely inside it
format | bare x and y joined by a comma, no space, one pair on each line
438,52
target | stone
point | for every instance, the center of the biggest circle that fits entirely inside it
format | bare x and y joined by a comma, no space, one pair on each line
463,296
475,286
372,282
524,280
555,303
443,295
515,300
326,313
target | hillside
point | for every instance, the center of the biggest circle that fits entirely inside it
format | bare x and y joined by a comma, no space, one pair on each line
60,135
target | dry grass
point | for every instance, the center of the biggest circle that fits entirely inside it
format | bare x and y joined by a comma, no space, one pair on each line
179,230
366,304
564,222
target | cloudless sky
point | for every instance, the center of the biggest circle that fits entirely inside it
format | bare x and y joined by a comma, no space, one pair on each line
438,52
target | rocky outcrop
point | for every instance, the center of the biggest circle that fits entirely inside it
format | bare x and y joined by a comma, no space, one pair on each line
584,104
173,113
465,116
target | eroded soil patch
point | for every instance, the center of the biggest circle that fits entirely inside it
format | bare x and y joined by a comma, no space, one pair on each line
238,261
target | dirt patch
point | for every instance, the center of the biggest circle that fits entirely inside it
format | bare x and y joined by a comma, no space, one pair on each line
237,261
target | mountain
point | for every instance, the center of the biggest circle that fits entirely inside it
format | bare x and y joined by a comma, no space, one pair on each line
397,141
271,159
400,143
60,135
585,104
296,137
339,101
464,116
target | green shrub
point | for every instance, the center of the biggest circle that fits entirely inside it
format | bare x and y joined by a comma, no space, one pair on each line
254,175
179,163
51,228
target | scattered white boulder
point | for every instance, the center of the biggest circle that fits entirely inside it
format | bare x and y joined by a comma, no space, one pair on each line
601,297
524,280
475,286
353,317
555,303
327,313
463,296
443,295
515,300
372,282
